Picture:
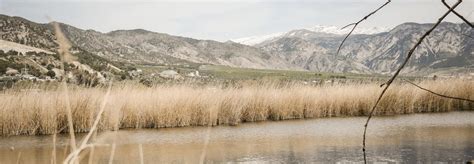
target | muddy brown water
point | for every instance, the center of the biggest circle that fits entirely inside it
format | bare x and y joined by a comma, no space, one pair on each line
425,138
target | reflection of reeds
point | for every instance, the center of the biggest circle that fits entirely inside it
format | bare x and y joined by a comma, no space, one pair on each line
53,153
132,106
140,153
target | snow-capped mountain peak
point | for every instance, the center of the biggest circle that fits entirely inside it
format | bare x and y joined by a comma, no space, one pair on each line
254,40
339,31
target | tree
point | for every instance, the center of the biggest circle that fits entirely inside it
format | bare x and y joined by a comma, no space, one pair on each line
50,67
51,74
410,53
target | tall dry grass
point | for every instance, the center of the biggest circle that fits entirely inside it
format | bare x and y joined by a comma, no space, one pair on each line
132,106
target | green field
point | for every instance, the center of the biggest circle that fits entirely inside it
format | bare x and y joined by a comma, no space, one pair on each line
226,72
234,73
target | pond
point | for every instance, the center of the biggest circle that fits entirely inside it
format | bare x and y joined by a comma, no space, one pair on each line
425,138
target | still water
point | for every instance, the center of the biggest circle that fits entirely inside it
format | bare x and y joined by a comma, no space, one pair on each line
425,138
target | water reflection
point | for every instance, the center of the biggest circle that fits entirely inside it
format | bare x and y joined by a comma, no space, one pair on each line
425,138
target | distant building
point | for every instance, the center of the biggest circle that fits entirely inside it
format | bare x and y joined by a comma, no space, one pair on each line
193,74
11,72
114,68
135,73
28,77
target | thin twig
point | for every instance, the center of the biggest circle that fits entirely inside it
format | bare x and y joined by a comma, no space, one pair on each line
457,14
357,23
348,25
468,36
71,158
438,94
65,56
389,82
94,126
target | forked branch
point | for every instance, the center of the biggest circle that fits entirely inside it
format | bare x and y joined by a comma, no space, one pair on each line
357,23
390,81
457,14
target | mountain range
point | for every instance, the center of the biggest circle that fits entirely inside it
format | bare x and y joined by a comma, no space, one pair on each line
368,51
254,40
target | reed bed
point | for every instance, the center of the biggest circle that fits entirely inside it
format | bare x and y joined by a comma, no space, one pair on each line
25,112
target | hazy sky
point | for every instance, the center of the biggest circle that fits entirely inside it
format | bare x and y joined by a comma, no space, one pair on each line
227,19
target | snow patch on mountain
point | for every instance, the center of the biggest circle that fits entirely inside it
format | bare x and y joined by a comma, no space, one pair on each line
254,40
339,31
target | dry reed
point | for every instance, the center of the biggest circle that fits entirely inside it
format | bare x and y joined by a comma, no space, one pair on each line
132,106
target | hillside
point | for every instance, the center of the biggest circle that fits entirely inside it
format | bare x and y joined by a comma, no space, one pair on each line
372,51
449,46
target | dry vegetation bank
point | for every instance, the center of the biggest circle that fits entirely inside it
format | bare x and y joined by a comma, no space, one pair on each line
33,112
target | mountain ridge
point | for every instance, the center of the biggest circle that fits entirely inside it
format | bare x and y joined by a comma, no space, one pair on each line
302,49
330,30
378,53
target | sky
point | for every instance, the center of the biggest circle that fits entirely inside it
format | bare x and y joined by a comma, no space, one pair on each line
223,20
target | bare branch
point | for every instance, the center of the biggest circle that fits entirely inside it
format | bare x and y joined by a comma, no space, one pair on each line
357,23
437,94
348,25
457,14
389,82
65,56
468,36
345,38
